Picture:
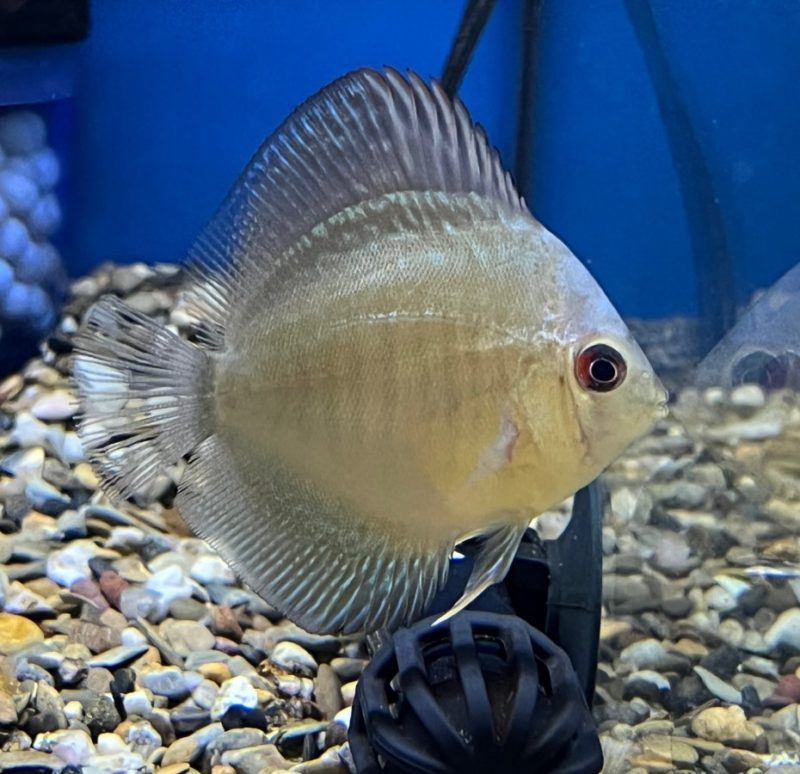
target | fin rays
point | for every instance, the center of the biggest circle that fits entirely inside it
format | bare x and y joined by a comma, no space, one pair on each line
364,584
365,135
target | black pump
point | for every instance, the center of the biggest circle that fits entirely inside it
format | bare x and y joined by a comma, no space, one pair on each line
489,689
479,692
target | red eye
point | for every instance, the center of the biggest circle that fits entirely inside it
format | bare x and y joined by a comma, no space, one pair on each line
600,368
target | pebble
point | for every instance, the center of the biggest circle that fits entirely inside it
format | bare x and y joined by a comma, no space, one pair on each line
718,687
26,761
17,633
728,725
293,658
186,636
785,630
235,692
118,656
190,748
210,568
138,702
216,671
327,691
55,406
73,746
70,564
651,654
167,681
255,760
8,710
748,396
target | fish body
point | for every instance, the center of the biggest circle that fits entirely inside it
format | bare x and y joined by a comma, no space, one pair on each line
397,357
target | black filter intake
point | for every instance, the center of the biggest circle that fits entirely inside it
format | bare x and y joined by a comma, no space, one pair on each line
482,692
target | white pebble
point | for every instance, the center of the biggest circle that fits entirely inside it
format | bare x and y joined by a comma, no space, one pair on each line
748,396
20,192
55,406
108,744
13,239
45,216
46,168
73,746
167,585
117,762
205,693
22,132
785,630
130,636
722,690
167,681
714,396
210,568
349,692
68,565
73,711
137,703
342,717
234,692
72,451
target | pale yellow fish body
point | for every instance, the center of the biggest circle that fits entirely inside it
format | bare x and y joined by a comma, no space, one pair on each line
396,384
393,356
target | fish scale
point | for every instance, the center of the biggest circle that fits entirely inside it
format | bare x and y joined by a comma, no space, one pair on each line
395,362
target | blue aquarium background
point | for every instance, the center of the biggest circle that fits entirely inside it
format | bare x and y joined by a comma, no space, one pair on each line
171,99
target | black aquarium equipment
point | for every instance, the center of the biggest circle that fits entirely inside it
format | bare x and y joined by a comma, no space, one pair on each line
506,683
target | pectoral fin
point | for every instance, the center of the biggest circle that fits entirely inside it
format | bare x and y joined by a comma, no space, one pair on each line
491,562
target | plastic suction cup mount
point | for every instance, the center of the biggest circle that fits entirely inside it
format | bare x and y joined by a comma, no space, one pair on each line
478,693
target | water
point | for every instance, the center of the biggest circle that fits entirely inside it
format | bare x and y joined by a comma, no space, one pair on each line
701,599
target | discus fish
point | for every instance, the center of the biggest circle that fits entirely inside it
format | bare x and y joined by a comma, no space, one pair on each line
394,357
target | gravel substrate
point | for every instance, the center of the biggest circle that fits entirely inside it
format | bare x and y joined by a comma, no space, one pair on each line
127,645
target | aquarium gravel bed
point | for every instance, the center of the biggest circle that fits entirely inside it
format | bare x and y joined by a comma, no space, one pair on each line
127,645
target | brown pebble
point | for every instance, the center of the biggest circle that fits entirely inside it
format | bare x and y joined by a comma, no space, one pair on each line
112,585
113,619
94,636
44,587
787,691
224,623
89,591
150,656
217,671
17,633
327,691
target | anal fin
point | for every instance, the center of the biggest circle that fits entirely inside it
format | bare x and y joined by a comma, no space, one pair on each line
491,563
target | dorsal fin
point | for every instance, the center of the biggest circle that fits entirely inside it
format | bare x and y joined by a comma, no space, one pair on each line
363,136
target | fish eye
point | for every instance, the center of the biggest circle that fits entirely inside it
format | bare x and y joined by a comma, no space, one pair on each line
600,368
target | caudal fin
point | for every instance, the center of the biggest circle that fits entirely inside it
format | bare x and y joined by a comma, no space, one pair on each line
144,395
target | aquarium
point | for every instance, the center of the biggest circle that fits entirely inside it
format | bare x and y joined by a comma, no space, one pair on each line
333,458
